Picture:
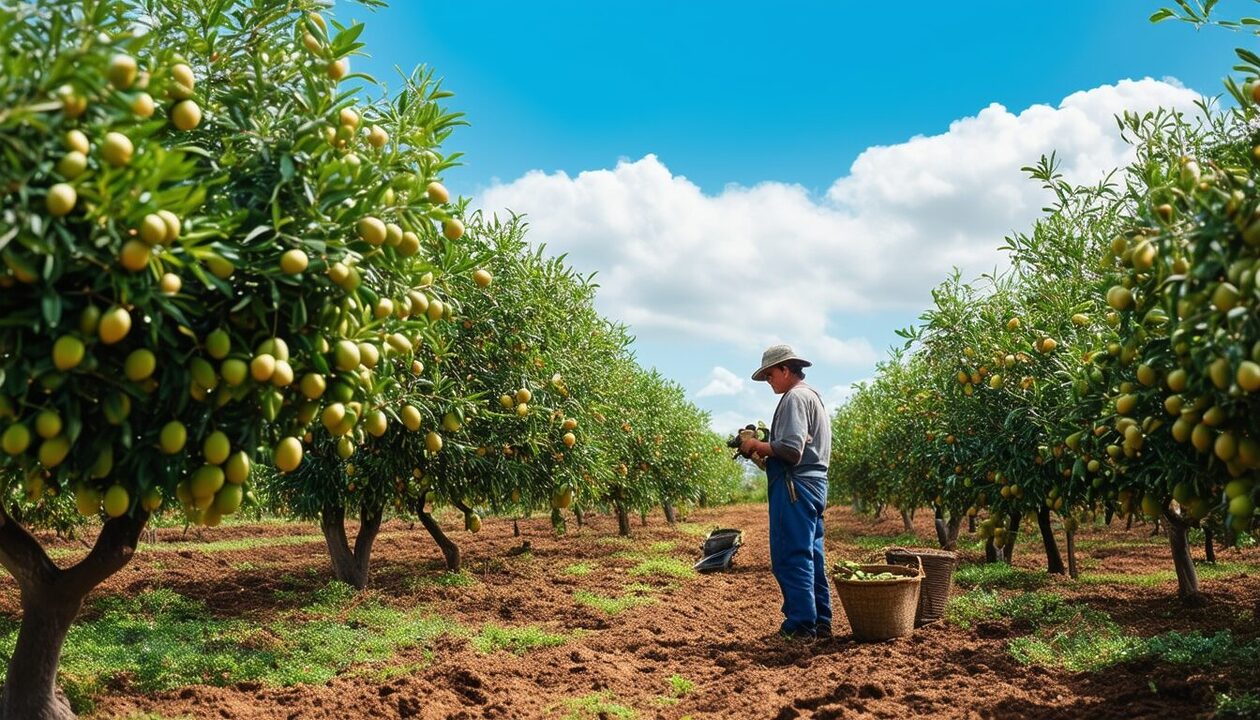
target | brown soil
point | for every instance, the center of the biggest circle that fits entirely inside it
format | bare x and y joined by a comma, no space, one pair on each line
718,631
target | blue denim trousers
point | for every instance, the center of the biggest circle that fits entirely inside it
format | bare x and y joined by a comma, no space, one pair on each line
796,548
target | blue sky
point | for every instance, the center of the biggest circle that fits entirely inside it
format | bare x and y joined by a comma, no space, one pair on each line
819,113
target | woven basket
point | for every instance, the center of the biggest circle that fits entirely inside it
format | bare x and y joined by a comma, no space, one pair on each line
938,568
879,609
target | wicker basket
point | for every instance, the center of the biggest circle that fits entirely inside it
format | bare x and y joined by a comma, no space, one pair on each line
938,568
879,609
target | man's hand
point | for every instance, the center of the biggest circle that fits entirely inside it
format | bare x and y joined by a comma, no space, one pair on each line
752,446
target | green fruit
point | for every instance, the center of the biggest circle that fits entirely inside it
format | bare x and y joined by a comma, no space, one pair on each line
116,501
205,481
228,499
313,386
68,352
234,371
53,451
140,365
47,424
216,448
151,500
237,468
203,373
104,464
346,355
288,454
16,439
218,344
87,500
173,437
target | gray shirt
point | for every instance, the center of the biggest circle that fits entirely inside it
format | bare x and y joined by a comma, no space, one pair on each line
800,432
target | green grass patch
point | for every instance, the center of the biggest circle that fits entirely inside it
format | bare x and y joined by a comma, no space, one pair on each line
600,705
614,540
693,529
1205,571
516,640
446,579
663,547
1230,707
579,569
679,686
161,640
1076,637
999,575
663,567
612,605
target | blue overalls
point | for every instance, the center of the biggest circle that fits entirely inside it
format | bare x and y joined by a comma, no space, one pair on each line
796,548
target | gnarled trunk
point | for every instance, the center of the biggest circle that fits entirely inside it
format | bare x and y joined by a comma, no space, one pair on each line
1209,549
1054,561
951,532
670,517
350,566
938,521
51,598
990,551
907,521
450,551
579,515
1187,576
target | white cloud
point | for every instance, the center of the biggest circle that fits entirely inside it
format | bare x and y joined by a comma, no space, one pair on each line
723,382
752,266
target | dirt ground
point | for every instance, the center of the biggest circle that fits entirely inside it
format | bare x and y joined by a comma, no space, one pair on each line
718,631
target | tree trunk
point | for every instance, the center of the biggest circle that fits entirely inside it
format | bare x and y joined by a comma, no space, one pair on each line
938,521
670,517
1207,545
450,551
879,510
352,567
990,551
1070,532
971,523
1111,513
1187,576
643,518
516,528
623,520
1054,561
50,598
579,515
1008,551
907,521
951,532
1129,524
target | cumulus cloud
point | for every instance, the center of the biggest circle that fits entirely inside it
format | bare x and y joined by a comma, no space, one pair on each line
752,266
723,382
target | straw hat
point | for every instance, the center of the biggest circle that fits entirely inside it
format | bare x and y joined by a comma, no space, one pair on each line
775,355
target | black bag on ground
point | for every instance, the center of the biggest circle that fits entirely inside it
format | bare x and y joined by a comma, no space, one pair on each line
718,549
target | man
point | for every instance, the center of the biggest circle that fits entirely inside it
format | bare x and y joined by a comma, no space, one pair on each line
796,469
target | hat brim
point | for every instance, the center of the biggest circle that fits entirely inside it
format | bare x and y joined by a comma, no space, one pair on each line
760,375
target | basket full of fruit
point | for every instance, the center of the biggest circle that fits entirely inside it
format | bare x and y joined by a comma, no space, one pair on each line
879,600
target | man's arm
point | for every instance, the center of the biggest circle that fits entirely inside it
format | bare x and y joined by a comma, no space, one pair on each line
791,443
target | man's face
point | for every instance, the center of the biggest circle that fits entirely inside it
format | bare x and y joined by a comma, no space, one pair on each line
778,377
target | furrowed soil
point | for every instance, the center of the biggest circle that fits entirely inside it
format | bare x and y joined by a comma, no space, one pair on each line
702,647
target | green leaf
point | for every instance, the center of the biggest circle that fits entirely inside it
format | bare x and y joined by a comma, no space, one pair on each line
51,306
1161,15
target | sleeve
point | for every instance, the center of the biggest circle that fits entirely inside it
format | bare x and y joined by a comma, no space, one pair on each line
790,429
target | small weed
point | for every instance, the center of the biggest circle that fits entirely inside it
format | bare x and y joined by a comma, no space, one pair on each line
518,640
1246,705
663,566
976,606
596,705
611,605
246,566
679,685
579,569
446,579
614,540
999,575
662,548
693,529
